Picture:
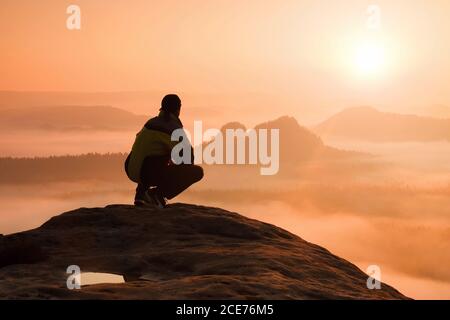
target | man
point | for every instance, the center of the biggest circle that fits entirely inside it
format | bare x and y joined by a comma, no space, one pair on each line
149,162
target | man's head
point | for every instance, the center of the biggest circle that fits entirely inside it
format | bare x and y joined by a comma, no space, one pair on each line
171,103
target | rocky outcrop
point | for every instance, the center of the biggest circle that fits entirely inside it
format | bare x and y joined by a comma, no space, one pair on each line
182,252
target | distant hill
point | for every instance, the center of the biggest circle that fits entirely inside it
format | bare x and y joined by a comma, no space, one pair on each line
67,118
212,108
369,124
297,143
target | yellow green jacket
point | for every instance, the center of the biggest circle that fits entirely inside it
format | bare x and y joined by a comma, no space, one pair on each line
153,140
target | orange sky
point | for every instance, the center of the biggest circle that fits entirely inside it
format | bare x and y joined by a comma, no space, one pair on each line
298,52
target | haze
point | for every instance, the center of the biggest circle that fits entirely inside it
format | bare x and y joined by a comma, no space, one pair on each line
298,56
366,157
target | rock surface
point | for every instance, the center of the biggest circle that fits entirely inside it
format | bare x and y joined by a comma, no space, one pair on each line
182,252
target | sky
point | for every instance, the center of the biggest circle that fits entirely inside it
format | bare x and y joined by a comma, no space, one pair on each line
301,54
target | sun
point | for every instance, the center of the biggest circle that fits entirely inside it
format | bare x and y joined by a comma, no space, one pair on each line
370,58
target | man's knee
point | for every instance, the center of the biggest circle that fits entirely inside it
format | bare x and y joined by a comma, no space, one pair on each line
198,173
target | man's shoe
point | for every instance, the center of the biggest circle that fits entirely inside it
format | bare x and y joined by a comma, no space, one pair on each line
159,201
144,200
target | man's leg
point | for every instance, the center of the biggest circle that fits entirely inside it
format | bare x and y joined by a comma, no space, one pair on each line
177,178
150,174
140,190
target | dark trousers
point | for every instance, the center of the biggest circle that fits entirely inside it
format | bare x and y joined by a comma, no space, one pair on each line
169,180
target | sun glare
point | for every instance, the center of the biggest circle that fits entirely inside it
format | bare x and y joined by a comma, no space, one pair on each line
370,58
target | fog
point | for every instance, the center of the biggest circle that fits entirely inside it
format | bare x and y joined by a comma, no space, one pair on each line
48,143
392,211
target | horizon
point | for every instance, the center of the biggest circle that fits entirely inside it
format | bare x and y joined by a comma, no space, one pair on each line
145,106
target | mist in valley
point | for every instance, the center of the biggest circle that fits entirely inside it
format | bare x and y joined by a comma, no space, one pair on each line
390,209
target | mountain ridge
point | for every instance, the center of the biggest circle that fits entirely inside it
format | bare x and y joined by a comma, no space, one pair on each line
69,118
369,124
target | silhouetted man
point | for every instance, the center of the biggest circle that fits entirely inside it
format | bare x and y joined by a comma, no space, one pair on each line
149,162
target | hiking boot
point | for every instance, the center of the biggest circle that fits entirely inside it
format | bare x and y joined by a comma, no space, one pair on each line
159,201
144,199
